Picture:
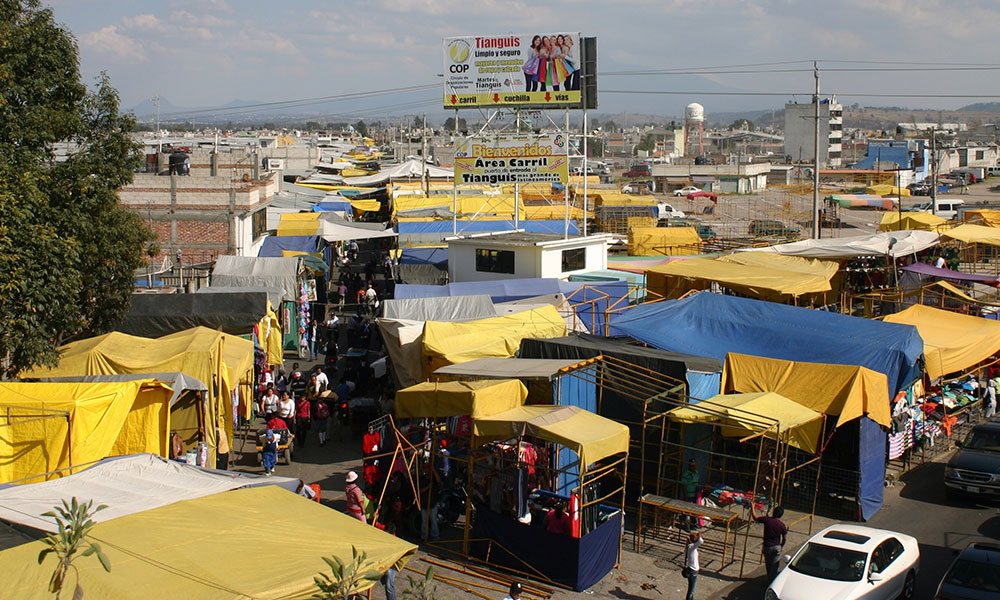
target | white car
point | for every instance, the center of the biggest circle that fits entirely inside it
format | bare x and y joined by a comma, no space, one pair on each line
684,191
849,562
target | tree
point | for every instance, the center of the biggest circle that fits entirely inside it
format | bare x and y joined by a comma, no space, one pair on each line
742,124
449,124
74,523
611,127
421,588
361,128
595,146
345,579
313,126
68,249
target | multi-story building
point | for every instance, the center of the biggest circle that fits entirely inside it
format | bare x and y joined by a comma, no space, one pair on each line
800,132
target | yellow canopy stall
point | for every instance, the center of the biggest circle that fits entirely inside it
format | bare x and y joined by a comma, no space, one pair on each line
205,549
952,341
974,234
299,224
366,205
756,274
892,221
740,415
449,343
458,398
591,436
59,425
664,241
990,217
884,189
843,391
223,362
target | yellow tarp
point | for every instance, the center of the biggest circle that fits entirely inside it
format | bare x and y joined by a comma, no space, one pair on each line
911,220
987,216
553,212
299,224
458,398
270,328
212,548
366,205
619,199
451,343
664,241
591,436
974,234
205,354
843,391
740,415
499,204
756,274
884,189
105,419
953,342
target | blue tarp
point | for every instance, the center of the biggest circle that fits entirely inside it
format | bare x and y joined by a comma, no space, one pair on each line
274,244
423,256
871,454
707,324
339,206
481,226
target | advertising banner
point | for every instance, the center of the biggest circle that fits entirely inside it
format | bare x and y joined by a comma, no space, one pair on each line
534,70
516,158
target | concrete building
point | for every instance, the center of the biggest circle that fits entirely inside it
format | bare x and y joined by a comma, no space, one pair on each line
911,157
203,215
800,132
515,255
725,179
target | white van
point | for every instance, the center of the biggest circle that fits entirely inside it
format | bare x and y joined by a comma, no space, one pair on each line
948,208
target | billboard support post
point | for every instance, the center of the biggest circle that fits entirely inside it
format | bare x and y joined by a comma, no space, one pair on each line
584,172
517,186
454,183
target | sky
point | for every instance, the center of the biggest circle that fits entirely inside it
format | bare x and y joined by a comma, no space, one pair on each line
198,53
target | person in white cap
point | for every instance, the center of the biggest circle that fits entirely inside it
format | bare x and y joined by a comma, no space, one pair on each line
355,498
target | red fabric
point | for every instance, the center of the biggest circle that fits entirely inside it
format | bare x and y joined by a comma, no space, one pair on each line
315,487
370,442
370,473
529,456
463,425
277,423
558,522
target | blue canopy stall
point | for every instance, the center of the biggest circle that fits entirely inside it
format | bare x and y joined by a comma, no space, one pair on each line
714,325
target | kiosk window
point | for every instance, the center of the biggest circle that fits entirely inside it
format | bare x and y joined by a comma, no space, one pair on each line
574,259
494,261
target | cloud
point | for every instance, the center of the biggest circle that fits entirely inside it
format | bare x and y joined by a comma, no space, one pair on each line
145,22
184,17
109,43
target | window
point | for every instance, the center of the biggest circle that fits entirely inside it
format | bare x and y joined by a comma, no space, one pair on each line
980,154
258,223
574,259
885,553
494,261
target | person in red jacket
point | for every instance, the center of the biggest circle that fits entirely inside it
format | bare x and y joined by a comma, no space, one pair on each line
303,418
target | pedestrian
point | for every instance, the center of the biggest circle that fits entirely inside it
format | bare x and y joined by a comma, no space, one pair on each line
389,583
775,533
303,419
269,453
323,415
354,251
297,386
516,589
312,340
269,402
342,293
691,566
286,410
689,483
991,399
355,498
321,379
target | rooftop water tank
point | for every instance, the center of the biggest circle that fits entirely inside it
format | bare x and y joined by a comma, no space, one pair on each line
694,112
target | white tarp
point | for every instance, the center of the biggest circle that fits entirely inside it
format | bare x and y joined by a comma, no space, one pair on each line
334,229
404,343
244,271
877,244
127,485
411,169
507,368
445,308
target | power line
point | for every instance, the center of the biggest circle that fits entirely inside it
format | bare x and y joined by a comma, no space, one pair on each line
859,95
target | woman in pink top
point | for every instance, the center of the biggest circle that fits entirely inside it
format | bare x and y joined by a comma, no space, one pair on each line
355,498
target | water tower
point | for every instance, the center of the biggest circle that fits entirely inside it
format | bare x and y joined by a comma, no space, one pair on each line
694,128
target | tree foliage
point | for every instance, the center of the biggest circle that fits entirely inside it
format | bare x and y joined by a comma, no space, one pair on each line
345,579
68,249
69,542
361,128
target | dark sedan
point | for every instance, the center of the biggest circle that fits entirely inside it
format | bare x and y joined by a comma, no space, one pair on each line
975,575
975,467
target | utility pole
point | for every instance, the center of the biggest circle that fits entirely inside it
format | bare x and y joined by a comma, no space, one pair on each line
423,157
815,209
934,179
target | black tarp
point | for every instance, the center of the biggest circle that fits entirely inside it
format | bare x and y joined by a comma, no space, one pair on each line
155,315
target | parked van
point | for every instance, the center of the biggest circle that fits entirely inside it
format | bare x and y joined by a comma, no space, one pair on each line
948,208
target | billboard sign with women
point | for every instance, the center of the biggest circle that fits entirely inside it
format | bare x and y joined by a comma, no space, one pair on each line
516,158
535,70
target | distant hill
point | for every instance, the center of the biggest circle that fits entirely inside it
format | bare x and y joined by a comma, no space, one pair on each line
982,107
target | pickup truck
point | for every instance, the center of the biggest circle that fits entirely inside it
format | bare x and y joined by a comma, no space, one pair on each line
975,467
638,171
666,211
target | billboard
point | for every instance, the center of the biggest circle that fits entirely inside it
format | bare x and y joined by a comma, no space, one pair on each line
535,70
515,158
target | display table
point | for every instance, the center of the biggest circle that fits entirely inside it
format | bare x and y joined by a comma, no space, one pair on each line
654,508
